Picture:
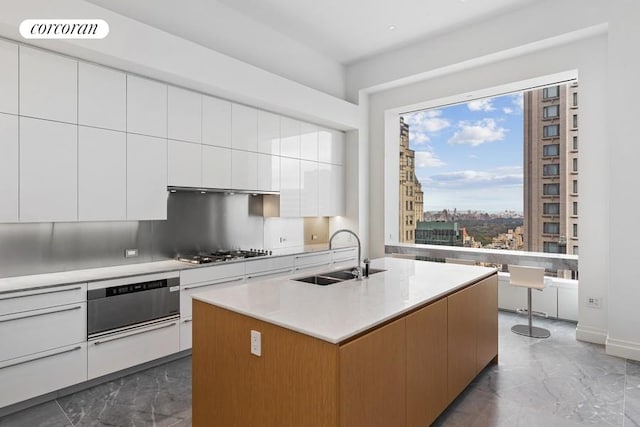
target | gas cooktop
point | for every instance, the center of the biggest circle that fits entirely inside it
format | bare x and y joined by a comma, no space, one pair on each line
222,256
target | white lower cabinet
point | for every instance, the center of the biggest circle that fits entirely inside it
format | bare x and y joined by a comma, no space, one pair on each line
185,333
306,261
345,257
36,374
39,330
133,347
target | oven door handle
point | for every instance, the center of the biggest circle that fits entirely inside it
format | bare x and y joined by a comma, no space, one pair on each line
134,333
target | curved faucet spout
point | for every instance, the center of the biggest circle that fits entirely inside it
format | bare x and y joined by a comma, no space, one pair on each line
345,230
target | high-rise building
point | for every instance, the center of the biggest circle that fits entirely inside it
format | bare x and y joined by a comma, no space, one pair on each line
551,169
411,195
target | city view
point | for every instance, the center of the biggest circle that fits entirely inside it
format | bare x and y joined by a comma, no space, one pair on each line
497,173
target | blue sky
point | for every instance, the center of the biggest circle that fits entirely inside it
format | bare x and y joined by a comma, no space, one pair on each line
470,155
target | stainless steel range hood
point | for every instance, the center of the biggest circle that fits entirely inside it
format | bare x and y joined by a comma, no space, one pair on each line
227,191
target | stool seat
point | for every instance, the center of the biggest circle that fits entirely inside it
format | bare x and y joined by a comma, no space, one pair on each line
530,278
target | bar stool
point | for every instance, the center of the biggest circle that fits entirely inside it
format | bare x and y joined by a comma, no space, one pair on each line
530,278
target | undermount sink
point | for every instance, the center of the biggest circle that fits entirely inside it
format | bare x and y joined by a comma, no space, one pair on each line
332,277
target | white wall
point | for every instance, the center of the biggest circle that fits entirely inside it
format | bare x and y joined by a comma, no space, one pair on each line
139,48
600,47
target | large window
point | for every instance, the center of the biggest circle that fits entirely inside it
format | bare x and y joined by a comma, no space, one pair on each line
551,228
551,208
551,111
551,131
551,247
575,186
551,92
552,169
551,150
551,189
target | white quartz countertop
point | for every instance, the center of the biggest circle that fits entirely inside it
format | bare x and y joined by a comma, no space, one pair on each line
342,310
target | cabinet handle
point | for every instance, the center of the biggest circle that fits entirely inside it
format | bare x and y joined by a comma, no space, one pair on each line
40,293
306,267
219,282
268,273
42,314
187,321
135,333
42,357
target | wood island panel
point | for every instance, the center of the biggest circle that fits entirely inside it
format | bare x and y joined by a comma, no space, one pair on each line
373,378
427,364
486,322
293,383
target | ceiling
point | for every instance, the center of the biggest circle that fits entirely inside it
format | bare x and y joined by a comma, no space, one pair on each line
342,30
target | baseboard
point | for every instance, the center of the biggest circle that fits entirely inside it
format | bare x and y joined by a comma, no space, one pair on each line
591,334
622,348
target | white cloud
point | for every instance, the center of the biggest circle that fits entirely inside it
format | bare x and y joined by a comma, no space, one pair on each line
427,159
426,121
467,179
481,105
478,133
418,138
507,110
472,156
517,99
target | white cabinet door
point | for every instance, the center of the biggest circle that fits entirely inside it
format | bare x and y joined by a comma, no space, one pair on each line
338,191
337,147
325,145
146,178
216,122
308,188
133,347
146,107
185,164
8,77
308,142
185,115
42,373
325,190
268,172
102,97
34,331
34,299
48,86
102,175
244,128
186,326
8,167
289,187
48,171
268,133
290,137
216,167
244,170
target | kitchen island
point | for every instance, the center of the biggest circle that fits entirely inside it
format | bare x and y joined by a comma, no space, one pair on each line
394,349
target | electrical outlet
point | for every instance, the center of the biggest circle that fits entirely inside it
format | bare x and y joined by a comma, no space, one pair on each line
256,343
593,302
314,236
130,253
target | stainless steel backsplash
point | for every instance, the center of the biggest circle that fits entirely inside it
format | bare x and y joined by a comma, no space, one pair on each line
195,221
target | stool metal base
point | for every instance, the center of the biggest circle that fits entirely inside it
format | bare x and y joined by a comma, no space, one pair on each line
531,331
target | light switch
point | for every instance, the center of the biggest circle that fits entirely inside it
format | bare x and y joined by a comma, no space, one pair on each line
256,343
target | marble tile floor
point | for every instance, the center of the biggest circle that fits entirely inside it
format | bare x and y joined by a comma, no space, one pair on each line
553,382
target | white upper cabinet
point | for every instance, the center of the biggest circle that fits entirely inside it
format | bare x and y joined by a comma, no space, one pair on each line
216,122
308,142
290,137
8,168
8,77
337,147
146,177
185,164
337,191
289,187
48,86
308,188
244,128
102,97
216,167
102,175
325,145
268,172
268,133
244,170
146,107
185,115
325,190
48,171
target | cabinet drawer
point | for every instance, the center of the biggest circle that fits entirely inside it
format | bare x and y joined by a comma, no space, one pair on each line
343,255
205,274
133,347
34,299
185,334
188,290
312,260
39,330
268,264
42,373
269,274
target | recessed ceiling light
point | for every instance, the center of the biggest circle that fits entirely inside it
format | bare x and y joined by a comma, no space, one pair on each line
391,27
